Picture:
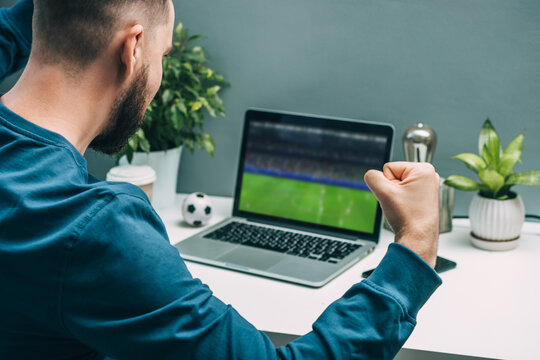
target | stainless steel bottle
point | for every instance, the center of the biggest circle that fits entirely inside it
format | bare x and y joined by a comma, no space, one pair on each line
419,142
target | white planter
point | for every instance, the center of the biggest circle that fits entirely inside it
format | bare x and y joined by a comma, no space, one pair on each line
166,164
496,224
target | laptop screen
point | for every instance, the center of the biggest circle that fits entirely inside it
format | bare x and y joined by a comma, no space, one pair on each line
311,170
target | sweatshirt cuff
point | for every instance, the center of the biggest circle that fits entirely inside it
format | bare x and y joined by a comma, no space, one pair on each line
406,277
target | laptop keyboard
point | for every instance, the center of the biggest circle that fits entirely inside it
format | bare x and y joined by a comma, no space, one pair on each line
302,245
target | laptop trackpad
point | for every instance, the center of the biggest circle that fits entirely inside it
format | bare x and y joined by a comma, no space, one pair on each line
252,258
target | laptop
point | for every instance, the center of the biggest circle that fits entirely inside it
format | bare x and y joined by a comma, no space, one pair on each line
302,212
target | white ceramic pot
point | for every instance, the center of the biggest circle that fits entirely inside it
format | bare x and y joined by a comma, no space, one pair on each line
496,224
166,164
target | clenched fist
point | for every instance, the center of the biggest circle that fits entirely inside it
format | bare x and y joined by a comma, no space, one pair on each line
409,196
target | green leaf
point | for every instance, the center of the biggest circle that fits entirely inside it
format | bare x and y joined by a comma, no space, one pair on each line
221,79
176,71
208,107
133,143
145,145
190,145
495,148
195,78
525,178
175,118
208,73
198,118
208,144
486,133
182,107
515,145
196,106
213,90
198,57
217,104
487,156
511,155
483,188
129,156
191,91
188,66
218,100
119,155
473,161
461,183
179,106
178,30
492,179
167,96
489,145
195,38
143,142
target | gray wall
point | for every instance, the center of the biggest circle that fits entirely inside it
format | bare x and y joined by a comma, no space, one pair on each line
447,63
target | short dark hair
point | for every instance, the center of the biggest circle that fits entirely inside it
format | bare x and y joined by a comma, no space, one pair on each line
76,31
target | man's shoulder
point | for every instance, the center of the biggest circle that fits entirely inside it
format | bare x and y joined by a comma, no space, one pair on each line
121,191
119,216
120,198
116,202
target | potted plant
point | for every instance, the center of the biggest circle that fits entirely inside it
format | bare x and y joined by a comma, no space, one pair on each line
496,212
175,117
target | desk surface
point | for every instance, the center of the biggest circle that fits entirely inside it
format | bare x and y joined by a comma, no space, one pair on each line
486,307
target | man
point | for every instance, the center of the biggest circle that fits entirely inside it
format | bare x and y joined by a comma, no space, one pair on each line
86,268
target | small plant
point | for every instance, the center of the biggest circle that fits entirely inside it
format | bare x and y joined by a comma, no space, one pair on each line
494,167
175,116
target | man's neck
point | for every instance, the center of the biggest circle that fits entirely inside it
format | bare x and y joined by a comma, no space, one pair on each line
76,108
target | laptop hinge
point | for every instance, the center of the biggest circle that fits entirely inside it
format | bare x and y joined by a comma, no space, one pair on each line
305,228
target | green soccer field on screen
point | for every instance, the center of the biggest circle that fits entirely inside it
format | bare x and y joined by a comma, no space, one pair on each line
307,201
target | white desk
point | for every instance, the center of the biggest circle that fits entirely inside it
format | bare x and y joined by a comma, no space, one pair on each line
489,306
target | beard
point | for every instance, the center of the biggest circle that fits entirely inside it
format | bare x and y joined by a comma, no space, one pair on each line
126,117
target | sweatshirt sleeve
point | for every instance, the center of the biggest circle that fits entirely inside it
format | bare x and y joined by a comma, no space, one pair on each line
15,36
375,317
127,294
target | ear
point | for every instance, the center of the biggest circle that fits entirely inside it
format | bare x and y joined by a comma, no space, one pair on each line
131,49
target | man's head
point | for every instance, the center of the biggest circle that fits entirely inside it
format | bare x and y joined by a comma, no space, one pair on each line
126,39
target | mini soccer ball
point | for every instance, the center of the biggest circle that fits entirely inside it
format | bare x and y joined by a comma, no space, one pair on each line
197,209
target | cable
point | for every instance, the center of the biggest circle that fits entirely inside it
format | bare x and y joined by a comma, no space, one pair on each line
527,216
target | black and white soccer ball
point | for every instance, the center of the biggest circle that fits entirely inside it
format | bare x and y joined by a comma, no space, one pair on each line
197,209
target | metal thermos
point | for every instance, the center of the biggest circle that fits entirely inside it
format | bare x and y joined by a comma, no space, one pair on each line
419,143
446,207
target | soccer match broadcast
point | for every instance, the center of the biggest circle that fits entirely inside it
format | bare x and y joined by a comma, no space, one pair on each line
311,174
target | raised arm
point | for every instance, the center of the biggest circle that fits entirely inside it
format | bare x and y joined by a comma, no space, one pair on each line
128,294
15,36
375,317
